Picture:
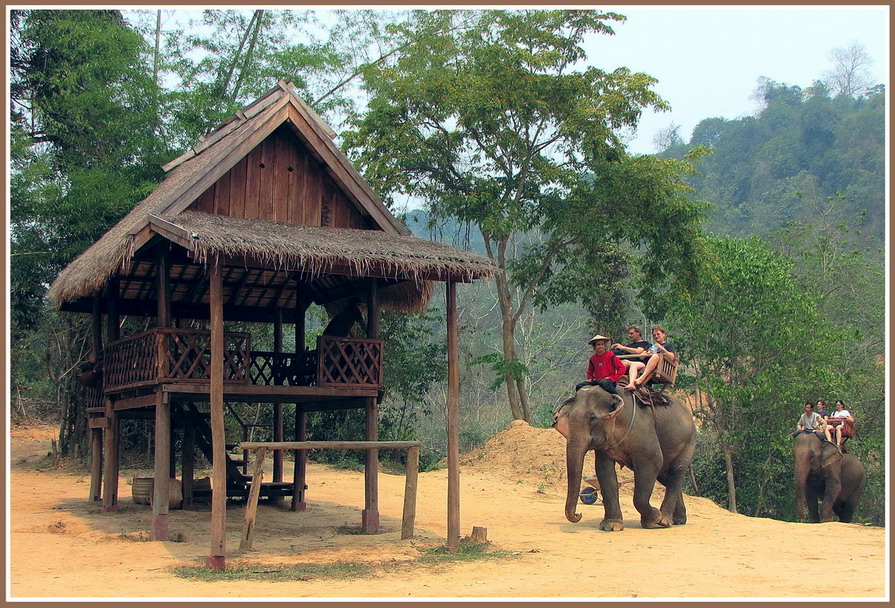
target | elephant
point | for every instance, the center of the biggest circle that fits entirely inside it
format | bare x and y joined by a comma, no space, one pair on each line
821,471
657,443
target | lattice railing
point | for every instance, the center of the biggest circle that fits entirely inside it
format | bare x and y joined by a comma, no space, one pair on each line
172,355
349,361
283,369
131,362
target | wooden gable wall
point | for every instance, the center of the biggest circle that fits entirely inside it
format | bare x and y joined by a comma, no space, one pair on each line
280,181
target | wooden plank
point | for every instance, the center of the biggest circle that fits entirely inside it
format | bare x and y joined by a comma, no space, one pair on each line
411,476
163,287
217,555
294,167
331,445
453,421
314,194
206,201
253,183
344,173
162,464
238,182
248,532
222,194
97,424
268,177
281,176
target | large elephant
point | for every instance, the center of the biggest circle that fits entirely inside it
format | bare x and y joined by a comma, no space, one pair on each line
823,472
657,443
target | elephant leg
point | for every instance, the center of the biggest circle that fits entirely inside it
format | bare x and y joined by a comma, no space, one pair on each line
811,497
673,504
832,487
612,517
644,483
844,510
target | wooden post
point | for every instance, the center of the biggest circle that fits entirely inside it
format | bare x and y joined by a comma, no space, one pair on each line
217,557
110,466
248,533
370,515
96,342
188,457
373,309
408,518
163,288
277,407
113,322
160,491
301,460
453,421
96,465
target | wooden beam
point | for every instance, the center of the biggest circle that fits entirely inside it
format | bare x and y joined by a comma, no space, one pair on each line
96,464
96,342
278,407
373,309
370,514
110,464
217,557
188,457
328,445
162,466
248,533
113,322
408,518
453,421
301,460
163,289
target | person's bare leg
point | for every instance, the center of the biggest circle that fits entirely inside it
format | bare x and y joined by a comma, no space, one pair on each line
633,368
650,366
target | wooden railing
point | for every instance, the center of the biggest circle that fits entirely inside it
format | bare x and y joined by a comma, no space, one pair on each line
172,355
349,361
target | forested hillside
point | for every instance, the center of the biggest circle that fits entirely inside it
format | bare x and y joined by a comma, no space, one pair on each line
806,156
757,244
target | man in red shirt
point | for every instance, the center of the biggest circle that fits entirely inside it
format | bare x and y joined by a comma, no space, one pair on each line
604,368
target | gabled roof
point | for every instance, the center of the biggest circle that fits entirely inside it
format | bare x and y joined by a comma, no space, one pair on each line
195,171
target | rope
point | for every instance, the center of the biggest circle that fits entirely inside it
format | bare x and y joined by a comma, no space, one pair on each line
630,426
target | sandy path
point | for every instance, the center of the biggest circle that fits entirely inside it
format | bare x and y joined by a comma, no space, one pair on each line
63,546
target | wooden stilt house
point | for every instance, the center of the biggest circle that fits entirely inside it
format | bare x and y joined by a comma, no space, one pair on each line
258,221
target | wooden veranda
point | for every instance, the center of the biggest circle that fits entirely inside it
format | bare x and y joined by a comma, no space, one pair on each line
254,224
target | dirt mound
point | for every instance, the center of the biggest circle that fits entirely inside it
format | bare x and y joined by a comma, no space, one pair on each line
525,454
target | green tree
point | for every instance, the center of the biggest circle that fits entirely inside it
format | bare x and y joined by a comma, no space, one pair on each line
489,118
755,347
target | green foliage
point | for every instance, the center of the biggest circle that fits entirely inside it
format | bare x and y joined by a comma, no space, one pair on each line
806,154
487,117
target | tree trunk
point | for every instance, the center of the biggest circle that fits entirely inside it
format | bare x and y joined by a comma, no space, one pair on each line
731,486
508,326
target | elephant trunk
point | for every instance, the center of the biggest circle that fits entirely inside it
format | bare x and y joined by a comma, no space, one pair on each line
574,465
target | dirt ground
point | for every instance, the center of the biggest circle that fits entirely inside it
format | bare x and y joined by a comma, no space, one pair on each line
62,546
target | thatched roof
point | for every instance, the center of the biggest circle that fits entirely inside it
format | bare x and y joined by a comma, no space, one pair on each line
321,250
389,253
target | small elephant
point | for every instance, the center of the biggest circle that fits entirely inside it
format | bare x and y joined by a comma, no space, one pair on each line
656,443
822,472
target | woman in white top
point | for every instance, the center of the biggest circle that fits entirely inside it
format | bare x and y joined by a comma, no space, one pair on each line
845,418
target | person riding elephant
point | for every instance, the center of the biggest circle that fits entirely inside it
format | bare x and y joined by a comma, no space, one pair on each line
823,472
657,445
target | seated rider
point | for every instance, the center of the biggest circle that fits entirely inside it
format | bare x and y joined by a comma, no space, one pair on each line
603,368
843,428
637,346
661,349
810,421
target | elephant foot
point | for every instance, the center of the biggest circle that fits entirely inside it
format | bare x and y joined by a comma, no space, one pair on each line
679,521
661,522
612,525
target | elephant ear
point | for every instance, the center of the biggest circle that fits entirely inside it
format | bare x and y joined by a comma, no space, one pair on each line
619,406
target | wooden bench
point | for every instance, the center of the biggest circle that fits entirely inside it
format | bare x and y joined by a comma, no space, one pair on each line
260,449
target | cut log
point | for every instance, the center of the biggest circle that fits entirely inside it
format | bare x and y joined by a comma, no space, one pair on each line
479,535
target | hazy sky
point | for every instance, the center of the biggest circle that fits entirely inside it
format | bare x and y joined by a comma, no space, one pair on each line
708,59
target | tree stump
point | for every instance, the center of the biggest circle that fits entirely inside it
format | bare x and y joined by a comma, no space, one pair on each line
479,535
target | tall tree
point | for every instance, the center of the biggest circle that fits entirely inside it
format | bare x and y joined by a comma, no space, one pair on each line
850,73
756,346
491,118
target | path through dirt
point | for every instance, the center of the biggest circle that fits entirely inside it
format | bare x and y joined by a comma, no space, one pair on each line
64,547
